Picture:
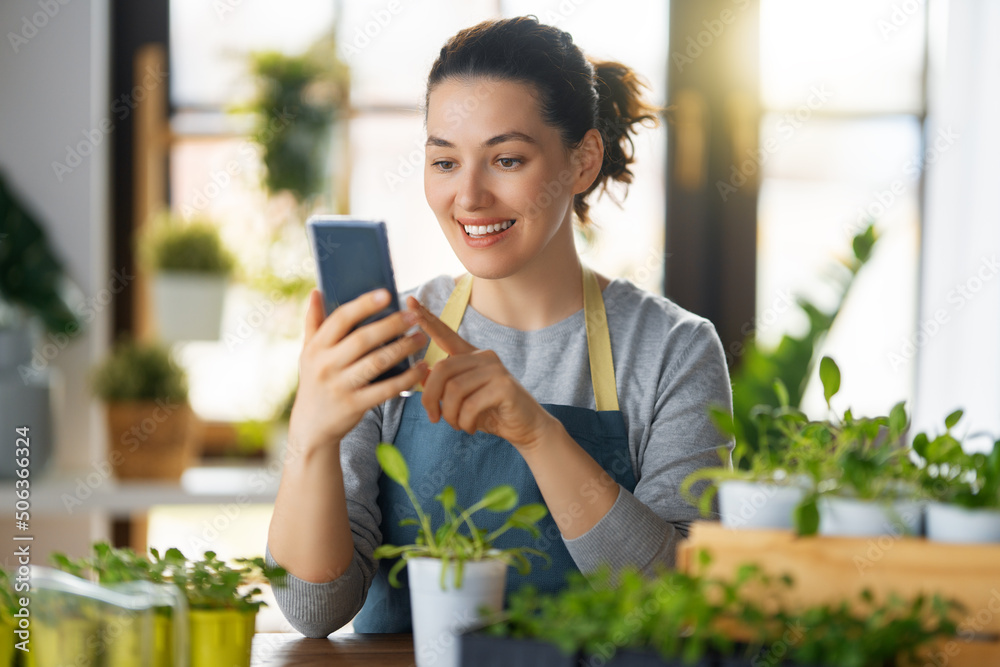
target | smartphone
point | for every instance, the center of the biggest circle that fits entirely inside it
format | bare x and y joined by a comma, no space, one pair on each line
352,257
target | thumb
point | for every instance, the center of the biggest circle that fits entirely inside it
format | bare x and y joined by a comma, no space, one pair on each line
314,315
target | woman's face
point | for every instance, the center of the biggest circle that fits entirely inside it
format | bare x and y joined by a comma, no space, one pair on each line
492,161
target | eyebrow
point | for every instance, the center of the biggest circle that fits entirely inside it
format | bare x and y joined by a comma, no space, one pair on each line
499,139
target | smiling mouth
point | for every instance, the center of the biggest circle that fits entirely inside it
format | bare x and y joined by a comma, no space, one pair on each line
481,231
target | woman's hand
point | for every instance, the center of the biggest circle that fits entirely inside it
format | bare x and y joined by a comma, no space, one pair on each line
473,391
337,365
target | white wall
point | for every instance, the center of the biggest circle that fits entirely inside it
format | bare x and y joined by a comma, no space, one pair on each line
54,71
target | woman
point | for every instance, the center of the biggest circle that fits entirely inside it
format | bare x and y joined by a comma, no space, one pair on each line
583,392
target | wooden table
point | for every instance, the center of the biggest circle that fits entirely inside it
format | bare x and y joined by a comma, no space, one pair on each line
346,650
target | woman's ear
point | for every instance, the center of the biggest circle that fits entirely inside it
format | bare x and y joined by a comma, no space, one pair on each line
587,160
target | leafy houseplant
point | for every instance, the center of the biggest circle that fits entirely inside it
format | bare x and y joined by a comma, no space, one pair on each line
453,569
221,600
779,375
150,424
690,619
760,493
965,487
192,268
863,481
34,297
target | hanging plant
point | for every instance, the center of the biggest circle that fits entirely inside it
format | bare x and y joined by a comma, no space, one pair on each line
299,98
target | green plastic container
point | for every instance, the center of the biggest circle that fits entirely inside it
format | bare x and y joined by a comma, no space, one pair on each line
221,637
71,641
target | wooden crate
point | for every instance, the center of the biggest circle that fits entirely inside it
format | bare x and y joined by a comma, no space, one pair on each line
830,569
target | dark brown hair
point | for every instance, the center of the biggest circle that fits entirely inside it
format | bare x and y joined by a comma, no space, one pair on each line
575,93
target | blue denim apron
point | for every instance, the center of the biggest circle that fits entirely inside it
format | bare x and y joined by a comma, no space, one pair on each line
439,455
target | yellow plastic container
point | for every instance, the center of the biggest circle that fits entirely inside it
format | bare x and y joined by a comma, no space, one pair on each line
6,642
221,637
71,641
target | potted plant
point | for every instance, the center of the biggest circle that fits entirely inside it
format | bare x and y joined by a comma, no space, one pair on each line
150,424
34,300
764,486
964,488
625,619
130,638
65,626
221,603
192,269
453,569
863,482
675,619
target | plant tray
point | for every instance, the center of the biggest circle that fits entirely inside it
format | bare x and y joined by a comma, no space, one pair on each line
831,569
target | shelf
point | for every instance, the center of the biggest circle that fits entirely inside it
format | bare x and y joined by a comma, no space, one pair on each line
71,495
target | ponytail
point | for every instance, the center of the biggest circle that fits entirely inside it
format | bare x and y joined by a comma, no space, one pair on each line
620,107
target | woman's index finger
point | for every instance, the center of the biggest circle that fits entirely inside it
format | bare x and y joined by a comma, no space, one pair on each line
446,338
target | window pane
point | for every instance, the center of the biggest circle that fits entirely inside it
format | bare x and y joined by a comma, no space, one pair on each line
868,54
209,42
390,55
816,192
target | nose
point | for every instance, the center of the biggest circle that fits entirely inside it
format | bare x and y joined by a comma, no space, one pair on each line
473,190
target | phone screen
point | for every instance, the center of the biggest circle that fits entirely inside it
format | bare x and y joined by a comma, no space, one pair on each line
352,257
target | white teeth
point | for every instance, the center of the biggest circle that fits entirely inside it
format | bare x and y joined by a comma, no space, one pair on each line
483,230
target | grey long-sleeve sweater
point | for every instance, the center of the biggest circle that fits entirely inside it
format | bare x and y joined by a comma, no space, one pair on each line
669,367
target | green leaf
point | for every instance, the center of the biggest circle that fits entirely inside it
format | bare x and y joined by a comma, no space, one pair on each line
499,499
393,463
952,419
829,374
529,514
723,420
898,419
807,517
447,498
781,391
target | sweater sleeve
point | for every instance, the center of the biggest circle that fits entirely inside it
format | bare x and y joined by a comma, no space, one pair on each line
317,609
642,529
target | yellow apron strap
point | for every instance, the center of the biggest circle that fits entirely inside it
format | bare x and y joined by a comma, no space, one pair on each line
454,310
602,367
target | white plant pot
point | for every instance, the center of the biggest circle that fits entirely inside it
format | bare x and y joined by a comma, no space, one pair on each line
850,517
744,504
189,305
951,523
439,616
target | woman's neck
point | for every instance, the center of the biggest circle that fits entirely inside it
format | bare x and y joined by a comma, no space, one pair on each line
547,290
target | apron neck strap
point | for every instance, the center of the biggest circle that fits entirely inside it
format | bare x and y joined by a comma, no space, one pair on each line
602,369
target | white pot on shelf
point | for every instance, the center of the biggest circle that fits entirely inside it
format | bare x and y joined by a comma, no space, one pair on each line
958,525
439,616
188,305
840,516
748,504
